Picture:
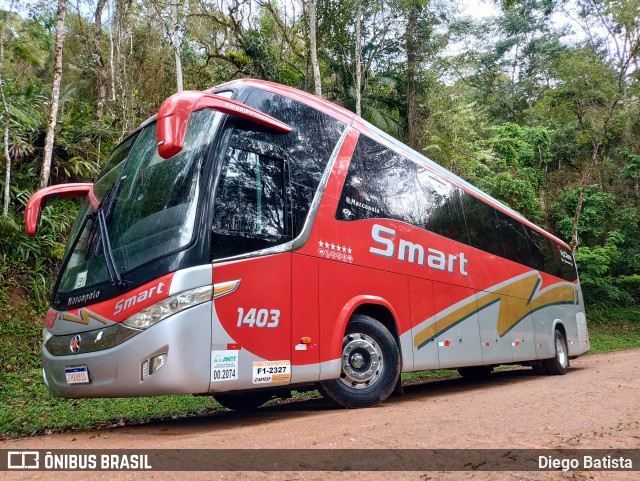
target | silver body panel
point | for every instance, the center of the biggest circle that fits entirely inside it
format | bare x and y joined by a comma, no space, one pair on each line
116,372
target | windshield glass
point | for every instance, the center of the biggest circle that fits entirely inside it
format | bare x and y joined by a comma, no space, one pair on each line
151,211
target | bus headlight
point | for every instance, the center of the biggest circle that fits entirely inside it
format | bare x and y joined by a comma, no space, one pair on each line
168,307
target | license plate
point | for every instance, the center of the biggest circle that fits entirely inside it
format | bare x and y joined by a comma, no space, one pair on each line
77,375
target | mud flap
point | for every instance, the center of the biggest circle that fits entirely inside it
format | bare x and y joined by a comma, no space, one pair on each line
397,391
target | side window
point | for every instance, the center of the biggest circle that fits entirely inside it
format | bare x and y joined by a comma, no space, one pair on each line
544,253
514,239
382,184
250,204
567,263
445,209
482,225
360,199
309,146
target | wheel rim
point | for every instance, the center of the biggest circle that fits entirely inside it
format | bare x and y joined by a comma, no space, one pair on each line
560,351
362,362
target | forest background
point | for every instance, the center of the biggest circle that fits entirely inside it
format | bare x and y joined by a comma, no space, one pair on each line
536,102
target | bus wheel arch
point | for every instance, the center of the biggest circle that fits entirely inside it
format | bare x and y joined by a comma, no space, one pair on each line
370,365
381,313
372,306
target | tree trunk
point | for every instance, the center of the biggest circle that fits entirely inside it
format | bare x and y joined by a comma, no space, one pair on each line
101,74
313,47
412,83
7,155
111,56
176,45
576,220
359,59
583,182
55,95
7,119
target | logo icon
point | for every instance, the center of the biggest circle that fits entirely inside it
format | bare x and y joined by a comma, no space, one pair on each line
23,460
75,343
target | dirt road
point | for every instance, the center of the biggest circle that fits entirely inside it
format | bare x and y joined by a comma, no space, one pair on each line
596,405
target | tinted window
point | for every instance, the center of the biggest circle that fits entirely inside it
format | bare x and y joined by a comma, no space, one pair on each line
372,175
382,184
482,225
514,239
250,207
544,253
309,146
152,211
567,264
445,208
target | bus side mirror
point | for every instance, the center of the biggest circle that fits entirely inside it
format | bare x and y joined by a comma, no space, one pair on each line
52,193
173,117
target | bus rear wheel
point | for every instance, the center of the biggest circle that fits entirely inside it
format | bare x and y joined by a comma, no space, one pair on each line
244,401
559,364
370,365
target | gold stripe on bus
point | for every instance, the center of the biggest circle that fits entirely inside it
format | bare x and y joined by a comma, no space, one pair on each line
84,317
516,302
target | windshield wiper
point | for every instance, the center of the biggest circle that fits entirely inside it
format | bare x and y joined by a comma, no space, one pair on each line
116,279
114,275
98,215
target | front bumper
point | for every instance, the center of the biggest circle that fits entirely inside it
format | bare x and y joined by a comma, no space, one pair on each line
117,372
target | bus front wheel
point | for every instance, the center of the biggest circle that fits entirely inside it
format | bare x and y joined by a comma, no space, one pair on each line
560,362
370,365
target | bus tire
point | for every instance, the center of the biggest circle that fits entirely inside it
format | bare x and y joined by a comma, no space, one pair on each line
475,373
244,401
370,365
558,364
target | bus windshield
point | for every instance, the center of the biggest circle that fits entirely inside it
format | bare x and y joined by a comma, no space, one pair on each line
149,205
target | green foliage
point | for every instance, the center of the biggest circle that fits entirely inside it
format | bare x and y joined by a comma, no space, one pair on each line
613,328
34,260
631,170
516,193
596,220
599,283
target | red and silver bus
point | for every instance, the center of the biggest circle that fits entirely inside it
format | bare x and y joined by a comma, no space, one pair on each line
255,239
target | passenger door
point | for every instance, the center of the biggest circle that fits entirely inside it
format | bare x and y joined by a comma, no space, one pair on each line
251,275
